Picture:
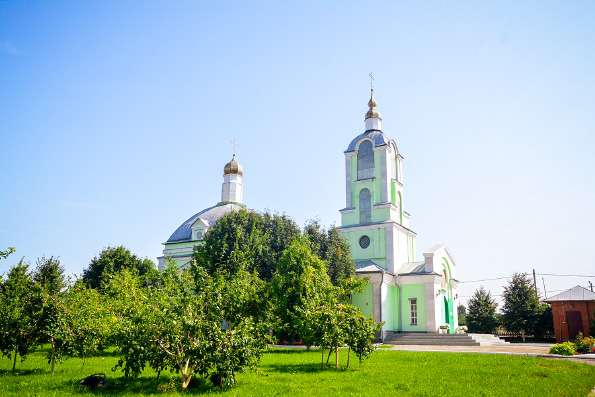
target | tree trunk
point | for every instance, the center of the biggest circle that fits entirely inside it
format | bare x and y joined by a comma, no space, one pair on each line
329,355
322,357
53,358
186,375
186,380
14,362
337,357
348,354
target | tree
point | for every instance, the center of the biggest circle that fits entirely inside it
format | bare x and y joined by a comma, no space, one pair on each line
85,327
545,321
4,254
178,325
49,274
338,257
481,316
462,314
360,332
298,286
19,309
246,240
333,249
112,260
521,310
49,278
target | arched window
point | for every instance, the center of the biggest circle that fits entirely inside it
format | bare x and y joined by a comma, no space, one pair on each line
365,206
365,160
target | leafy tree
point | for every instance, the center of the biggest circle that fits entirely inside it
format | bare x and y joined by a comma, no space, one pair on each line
18,313
299,284
338,257
545,321
177,325
86,322
49,274
462,314
112,260
317,236
4,254
246,240
49,278
280,230
481,315
521,309
333,249
360,332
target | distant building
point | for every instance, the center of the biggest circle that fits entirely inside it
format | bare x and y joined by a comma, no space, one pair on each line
573,310
180,245
406,294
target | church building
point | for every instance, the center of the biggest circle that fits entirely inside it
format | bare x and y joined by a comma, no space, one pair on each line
180,245
407,295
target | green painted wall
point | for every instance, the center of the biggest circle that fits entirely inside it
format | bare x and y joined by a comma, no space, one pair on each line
391,308
376,251
365,301
413,291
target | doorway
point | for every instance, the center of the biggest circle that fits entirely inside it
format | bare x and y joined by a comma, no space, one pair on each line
574,321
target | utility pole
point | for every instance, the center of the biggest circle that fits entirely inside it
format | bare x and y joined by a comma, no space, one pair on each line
544,290
534,281
591,285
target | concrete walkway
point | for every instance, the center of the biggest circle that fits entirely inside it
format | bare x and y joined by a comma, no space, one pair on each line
520,349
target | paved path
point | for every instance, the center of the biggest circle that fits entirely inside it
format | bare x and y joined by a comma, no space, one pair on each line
521,349
516,348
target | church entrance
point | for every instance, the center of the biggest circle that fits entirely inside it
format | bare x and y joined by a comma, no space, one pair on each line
448,315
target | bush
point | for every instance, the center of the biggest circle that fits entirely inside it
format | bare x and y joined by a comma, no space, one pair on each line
583,345
564,349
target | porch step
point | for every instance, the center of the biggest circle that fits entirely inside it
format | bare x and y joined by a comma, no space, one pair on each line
427,342
398,338
488,340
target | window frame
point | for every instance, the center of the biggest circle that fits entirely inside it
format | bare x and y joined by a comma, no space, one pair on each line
365,158
413,311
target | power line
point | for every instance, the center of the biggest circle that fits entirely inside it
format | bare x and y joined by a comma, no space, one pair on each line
565,275
539,274
486,279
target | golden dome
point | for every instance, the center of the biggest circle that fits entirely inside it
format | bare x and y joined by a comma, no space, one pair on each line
372,111
233,167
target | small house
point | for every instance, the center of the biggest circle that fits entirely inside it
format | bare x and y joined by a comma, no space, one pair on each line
573,311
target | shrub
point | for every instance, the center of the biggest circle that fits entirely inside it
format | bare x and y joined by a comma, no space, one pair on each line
564,349
582,344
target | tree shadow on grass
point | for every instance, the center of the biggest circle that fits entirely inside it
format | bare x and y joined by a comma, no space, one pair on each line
22,372
291,350
143,385
301,368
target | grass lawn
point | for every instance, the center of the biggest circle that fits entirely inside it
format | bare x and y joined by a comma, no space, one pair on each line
297,372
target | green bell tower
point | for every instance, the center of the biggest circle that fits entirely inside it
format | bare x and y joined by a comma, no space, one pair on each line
374,221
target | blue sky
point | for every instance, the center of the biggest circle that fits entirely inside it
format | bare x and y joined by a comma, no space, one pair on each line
116,118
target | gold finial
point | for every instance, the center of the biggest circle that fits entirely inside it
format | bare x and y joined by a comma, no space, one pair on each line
233,166
372,112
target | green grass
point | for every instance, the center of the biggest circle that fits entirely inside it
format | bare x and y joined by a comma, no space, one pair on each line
297,372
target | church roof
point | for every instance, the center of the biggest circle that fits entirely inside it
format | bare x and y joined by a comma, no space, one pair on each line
377,137
577,293
209,216
367,266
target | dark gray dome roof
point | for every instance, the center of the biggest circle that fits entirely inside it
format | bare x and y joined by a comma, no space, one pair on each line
209,216
376,136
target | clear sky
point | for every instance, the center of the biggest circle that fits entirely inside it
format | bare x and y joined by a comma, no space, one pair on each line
116,118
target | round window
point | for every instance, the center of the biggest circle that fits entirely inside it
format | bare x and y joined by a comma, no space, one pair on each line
364,241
